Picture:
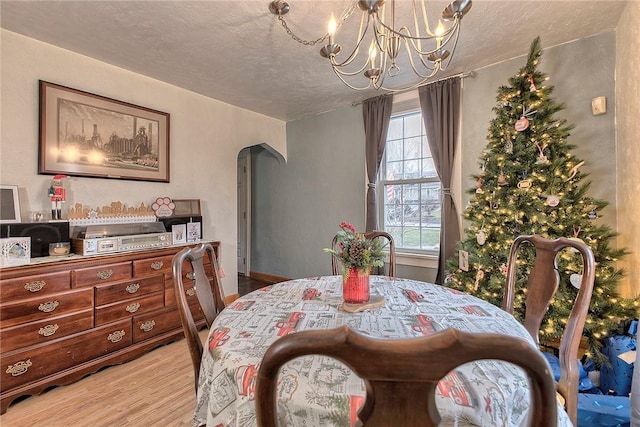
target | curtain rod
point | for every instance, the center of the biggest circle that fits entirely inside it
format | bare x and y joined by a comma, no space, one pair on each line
471,74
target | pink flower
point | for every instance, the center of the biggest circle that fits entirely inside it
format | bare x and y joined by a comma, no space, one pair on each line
346,225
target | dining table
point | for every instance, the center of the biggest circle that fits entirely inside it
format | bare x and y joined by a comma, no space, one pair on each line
321,391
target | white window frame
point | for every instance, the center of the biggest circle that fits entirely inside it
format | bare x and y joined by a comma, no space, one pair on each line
404,103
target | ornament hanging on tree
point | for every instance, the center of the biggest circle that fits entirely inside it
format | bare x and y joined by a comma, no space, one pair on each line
479,189
553,200
523,123
479,277
524,183
574,170
575,238
542,159
481,238
575,280
493,204
593,214
502,181
532,85
508,146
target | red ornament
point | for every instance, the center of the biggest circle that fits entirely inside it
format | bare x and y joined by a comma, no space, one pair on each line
522,124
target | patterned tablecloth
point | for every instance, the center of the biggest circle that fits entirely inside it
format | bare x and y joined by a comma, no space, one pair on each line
319,391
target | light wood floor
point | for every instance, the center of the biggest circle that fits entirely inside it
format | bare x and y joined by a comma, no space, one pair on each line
153,390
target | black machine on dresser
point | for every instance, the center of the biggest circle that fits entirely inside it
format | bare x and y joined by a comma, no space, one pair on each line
41,233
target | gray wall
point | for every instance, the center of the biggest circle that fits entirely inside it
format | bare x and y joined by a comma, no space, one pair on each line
297,206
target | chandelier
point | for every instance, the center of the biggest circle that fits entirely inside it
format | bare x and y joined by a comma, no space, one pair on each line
385,44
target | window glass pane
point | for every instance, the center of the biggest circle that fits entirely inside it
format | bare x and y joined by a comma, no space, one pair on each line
411,237
413,125
410,210
395,129
412,169
393,150
412,148
428,168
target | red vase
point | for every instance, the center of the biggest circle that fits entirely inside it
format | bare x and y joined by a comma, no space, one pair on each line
355,286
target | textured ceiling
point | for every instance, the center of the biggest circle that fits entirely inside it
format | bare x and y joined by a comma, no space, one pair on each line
237,52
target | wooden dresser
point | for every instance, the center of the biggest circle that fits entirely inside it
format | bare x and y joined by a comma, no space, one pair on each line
62,320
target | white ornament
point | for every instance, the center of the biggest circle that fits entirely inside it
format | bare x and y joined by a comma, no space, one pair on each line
553,200
481,238
576,280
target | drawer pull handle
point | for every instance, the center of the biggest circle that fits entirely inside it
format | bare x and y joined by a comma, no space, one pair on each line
116,336
157,265
132,308
104,274
133,288
48,307
191,275
35,286
148,325
191,291
48,330
19,368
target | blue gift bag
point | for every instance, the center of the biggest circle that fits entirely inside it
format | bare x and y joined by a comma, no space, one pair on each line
616,379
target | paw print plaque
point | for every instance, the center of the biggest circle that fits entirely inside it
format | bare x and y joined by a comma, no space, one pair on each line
163,207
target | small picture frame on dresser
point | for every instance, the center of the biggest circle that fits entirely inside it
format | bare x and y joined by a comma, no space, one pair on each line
178,234
15,251
9,204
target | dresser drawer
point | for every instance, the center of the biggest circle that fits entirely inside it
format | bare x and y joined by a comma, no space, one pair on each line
21,367
45,330
112,312
147,266
102,274
156,323
30,286
115,292
189,290
45,307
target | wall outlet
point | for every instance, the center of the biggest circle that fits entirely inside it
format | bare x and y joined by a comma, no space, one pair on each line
463,260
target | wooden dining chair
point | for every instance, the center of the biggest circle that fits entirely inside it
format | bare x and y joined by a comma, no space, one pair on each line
401,375
208,292
335,263
542,284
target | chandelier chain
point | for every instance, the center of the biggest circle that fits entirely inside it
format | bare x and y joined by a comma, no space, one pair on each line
318,40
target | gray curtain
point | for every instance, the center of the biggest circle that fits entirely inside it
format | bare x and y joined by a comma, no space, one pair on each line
440,104
376,113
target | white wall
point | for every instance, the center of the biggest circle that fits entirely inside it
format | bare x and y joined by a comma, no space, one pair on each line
206,136
628,145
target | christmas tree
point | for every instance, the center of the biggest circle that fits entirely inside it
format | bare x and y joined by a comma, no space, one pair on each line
530,183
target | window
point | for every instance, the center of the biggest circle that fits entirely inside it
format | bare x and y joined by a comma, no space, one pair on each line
409,197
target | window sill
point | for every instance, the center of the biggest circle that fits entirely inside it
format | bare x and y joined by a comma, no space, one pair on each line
417,260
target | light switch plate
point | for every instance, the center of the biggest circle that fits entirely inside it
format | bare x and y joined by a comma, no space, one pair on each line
599,105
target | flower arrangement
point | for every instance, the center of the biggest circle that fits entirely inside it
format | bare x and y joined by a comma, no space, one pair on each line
355,251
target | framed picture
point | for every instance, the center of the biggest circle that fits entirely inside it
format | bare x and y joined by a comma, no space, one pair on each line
9,204
15,251
187,207
179,233
82,134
